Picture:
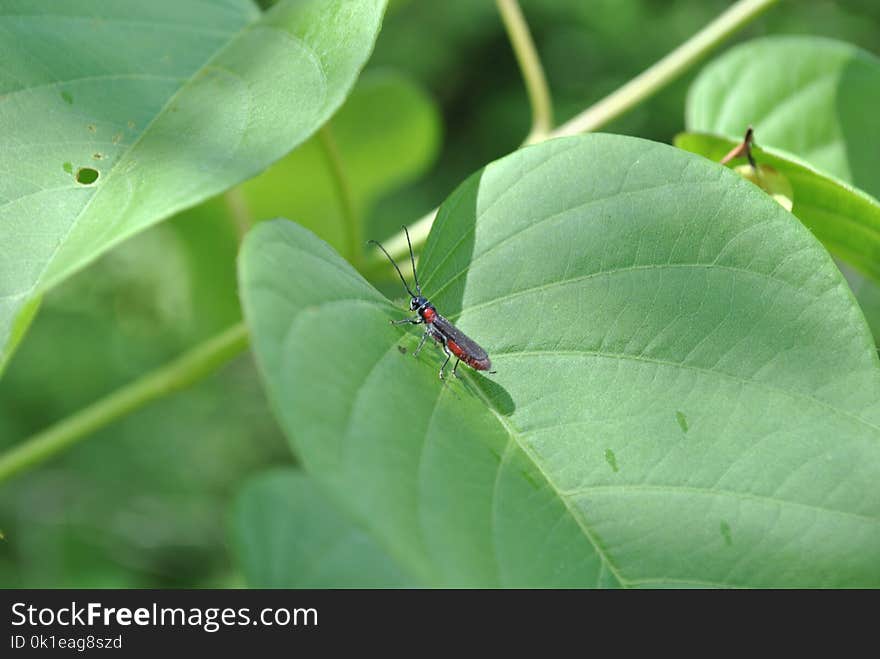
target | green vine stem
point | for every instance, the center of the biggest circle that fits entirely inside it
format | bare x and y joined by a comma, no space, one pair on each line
208,356
179,374
666,70
532,71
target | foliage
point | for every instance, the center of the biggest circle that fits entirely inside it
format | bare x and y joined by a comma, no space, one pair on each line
686,389
196,105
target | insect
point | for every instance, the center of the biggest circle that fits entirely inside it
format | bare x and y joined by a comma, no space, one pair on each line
452,340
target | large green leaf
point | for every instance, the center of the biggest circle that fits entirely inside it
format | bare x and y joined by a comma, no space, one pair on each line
287,534
686,392
845,219
809,96
168,102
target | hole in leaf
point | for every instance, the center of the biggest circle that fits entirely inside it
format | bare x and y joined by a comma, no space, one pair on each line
86,175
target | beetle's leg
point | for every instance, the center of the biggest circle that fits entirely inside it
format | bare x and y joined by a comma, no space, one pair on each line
411,321
448,357
455,368
421,343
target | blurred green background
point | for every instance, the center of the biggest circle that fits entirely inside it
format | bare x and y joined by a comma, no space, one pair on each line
145,502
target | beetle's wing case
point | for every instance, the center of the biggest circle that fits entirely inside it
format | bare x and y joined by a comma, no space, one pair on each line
467,344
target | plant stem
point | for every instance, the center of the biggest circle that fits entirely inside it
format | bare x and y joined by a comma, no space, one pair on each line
354,246
191,367
666,70
532,71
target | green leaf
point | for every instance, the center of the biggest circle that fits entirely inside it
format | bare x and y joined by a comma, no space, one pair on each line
845,219
288,534
686,392
168,102
806,95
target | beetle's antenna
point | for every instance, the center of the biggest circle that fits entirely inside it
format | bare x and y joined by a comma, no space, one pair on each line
379,245
412,259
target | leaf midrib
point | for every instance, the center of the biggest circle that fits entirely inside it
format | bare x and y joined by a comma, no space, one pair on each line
515,436
568,496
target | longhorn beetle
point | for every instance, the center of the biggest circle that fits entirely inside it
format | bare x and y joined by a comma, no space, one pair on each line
451,339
